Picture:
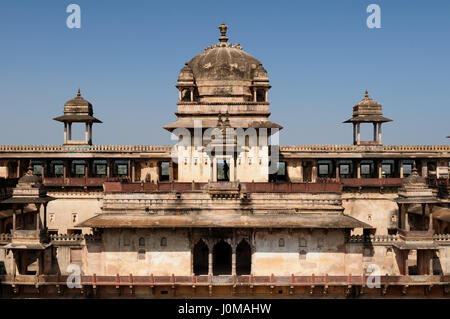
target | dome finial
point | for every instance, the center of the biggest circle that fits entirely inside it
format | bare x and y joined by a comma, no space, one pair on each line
223,32
367,94
79,92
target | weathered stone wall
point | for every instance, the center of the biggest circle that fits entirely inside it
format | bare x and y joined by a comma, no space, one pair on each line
375,209
71,208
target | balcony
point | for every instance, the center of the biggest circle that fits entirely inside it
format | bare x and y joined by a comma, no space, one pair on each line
77,181
372,182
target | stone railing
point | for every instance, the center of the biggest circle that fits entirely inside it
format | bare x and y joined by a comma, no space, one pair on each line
365,148
168,148
441,237
73,238
372,239
85,148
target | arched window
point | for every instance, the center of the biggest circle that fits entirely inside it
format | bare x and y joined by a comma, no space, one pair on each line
142,241
163,242
243,258
281,242
222,258
200,258
186,95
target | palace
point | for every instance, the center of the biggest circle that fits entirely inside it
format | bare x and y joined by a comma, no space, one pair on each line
221,215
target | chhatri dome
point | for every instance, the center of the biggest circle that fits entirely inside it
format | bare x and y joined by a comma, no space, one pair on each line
223,71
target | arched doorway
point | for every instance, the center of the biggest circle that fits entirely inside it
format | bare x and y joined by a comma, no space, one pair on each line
222,258
200,258
243,258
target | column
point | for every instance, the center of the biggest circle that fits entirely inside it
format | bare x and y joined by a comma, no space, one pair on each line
18,168
86,133
336,163
407,228
37,217
14,221
254,94
65,133
401,168
301,171
70,131
233,260
374,132
45,216
90,133
210,260
379,133
192,94
430,267
133,170
358,169
314,172
430,209
380,168
358,138
108,168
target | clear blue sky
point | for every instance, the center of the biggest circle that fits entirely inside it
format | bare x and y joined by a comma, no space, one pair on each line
320,57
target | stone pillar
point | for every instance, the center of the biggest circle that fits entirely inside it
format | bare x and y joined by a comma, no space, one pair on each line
380,168
90,133
354,133
14,221
70,131
210,260
301,171
358,169
233,260
358,137
108,168
86,133
430,266
379,133
407,228
65,133
45,215
374,132
401,168
430,227
314,171
133,170
18,168
336,164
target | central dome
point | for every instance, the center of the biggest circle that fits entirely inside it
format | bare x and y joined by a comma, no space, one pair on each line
223,71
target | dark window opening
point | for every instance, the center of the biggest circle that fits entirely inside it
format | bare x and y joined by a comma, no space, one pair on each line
186,95
387,169
223,170
56,169
243,258
260,95
200,258
142,241
345,169
74,231
164,171
78,168
407,168
99,168
367,169
163,242
37,168
222,258
120,168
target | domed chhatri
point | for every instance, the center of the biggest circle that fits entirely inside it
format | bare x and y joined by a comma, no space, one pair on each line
223,71
367,111
77,110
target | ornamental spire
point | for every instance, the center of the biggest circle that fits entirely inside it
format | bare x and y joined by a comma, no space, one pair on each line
367,94
79,92
223,32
